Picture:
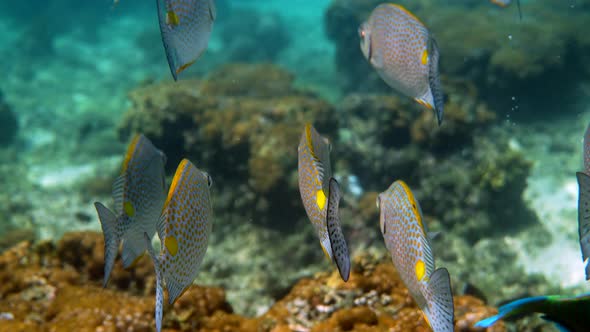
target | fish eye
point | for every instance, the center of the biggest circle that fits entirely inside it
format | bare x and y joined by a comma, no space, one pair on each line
209,180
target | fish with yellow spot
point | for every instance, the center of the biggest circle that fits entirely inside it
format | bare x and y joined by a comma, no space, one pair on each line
183,229
320,194
404,54
185,26
139,193
408,242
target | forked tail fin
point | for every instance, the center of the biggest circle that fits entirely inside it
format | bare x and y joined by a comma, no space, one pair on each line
441,311
108,222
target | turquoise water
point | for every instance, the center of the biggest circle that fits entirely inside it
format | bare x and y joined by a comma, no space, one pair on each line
501,191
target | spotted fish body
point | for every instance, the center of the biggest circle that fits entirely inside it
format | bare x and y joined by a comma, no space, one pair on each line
139,194
584,204
404,54
183,229
185,26
319,191
408,243
569,313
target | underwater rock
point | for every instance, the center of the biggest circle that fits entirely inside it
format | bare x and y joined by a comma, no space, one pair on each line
13,236
539,59
45,288
241,125
8,123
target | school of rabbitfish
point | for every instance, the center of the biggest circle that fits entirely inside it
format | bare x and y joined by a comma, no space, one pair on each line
406,56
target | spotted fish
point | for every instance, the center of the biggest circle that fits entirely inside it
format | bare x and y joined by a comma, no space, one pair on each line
584,204
183,229
320,194
408,243
404,54
139,194
185,26
569,313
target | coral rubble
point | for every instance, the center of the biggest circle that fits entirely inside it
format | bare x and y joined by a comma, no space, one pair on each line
47,287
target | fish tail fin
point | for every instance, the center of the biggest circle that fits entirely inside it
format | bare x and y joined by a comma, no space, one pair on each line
584,218
133,247
159,283
337,241
434,81
522,306
441,311
108,222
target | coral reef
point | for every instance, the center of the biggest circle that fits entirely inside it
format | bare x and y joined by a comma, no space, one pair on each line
243,122
539,59
467,178
47,287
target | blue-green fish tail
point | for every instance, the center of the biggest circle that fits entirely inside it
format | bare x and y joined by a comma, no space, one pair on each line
159,283
523,306
441,311
112,238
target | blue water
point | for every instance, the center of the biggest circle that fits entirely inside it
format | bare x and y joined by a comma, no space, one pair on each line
68,67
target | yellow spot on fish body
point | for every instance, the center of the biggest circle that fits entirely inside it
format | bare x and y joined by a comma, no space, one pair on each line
420,270
172,18
425,57
320,199
129,209
171,244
